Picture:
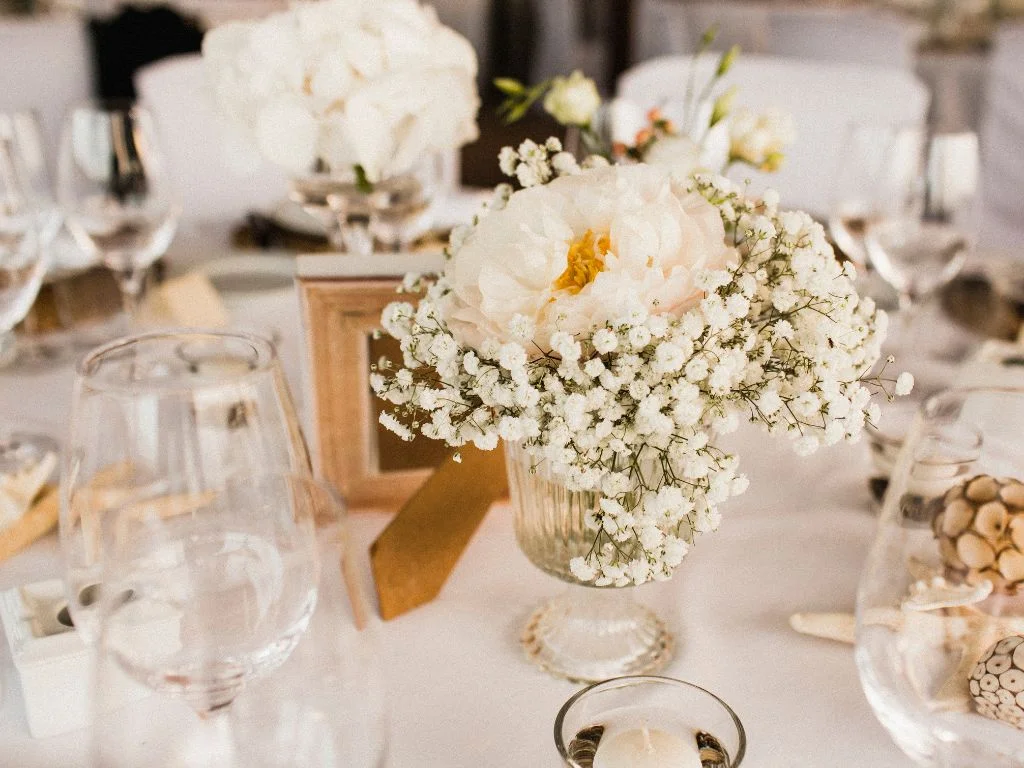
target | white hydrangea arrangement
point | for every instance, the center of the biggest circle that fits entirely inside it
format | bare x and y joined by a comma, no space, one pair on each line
368,85
614,321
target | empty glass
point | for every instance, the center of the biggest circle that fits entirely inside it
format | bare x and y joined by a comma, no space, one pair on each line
943,586
115,192
166,413
924,229
323,708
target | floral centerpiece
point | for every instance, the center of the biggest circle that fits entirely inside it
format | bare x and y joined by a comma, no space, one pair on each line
347,94
609,323
712,134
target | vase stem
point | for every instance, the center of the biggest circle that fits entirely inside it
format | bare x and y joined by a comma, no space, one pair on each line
589,634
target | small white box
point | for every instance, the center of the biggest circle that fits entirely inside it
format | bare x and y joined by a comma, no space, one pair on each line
54,664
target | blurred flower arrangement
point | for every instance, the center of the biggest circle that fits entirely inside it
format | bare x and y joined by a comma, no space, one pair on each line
366,85
614,320
711,136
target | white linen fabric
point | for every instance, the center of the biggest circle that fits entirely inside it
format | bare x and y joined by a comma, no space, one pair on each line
823,99
45,65
462,694
216,175
1002,167
859,35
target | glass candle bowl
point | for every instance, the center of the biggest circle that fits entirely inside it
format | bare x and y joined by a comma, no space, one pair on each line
649,721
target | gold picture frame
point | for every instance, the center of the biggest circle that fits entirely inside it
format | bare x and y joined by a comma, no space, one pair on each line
369,465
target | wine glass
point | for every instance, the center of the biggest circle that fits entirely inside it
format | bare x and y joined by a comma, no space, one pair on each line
924,231
23,261
163,411
856,191
115,192
204,592
326,706
943,585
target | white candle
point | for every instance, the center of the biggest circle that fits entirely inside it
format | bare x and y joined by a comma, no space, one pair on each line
644,747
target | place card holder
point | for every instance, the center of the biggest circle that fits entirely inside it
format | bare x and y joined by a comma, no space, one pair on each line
342,299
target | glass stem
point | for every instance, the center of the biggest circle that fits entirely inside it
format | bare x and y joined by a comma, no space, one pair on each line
131,281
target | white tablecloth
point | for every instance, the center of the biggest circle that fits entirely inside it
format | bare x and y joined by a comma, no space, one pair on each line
463,695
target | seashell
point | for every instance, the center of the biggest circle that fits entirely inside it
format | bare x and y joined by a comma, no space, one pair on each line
982,488
1013,495
1016,528
1011,565
974,551
997,683
938,593
956,517
991,520
980,534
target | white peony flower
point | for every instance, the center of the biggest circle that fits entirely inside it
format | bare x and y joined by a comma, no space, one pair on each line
572,100
583,251
375,83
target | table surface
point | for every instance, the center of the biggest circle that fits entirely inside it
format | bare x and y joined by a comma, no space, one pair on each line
463,694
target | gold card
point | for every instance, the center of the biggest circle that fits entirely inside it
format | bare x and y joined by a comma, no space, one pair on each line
415,554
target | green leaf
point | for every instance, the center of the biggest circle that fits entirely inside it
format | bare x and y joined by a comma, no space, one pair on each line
363,183
723,105
709,36
509,86
728,58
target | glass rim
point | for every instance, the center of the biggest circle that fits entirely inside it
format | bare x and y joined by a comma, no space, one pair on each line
266,357
930,405
631,680
115,106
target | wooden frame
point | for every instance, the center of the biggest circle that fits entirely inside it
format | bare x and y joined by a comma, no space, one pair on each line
371,468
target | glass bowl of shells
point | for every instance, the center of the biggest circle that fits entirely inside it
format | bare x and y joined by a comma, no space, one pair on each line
940,608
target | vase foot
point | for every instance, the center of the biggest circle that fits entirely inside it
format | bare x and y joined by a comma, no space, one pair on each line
590,638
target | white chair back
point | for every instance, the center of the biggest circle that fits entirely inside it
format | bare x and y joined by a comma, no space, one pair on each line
45,66
1002,137
858,35
218,177
823,98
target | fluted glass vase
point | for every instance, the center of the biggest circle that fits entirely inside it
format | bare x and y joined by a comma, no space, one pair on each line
360,217
587,633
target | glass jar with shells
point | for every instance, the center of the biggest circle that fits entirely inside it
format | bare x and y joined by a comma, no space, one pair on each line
940,611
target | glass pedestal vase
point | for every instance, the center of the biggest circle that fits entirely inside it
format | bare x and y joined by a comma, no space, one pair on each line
359,219
588,633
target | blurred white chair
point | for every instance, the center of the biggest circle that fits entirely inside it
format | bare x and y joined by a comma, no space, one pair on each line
45,66
1002,137
662,28
823,98
739,23
218,177
859,35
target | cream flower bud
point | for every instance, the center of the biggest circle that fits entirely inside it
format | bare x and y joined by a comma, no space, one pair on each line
572,100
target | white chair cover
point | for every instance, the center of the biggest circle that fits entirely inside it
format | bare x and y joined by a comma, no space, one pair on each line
858,35
217,175
1002,138
823,99
45,66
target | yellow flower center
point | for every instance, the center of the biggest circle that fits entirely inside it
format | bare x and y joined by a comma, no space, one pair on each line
584,261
